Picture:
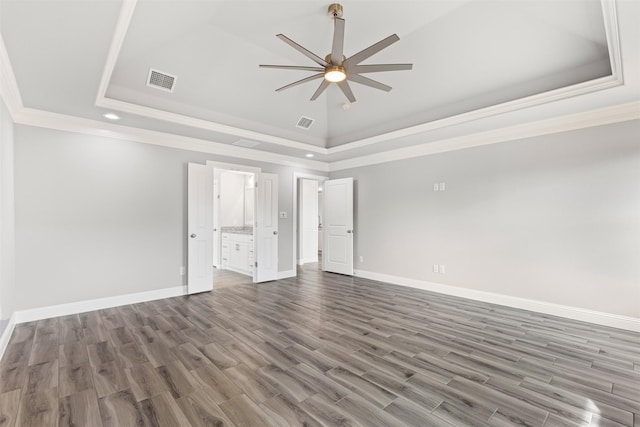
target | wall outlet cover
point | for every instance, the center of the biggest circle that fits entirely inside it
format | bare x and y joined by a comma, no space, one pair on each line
283,214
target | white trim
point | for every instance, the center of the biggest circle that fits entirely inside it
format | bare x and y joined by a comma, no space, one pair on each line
122,25
6,335
296,176
286,274
616,79
32,314
140,110
610,17
233,167
599,117
9,91
576,313
308,261
49,120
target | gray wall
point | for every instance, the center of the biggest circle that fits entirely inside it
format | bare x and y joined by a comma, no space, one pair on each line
99,217
553,218
7,224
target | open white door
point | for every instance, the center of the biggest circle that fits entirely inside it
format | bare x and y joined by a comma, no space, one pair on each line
266,234
308,215
337,254
217,258
199,228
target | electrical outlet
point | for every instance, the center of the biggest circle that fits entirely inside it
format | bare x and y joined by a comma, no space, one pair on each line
283,214
182,271
442,187
435,187
435,268
442,270
361,258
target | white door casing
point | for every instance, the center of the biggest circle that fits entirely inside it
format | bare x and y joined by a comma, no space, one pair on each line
199,228
217,261
266,233
308,221
337,253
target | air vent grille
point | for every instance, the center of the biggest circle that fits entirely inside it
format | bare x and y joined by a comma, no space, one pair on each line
161,80
304,122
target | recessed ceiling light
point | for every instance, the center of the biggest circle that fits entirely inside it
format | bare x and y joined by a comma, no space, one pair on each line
111,116
309,155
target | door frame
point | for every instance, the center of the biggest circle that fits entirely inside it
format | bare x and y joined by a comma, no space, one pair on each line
219,167
296,177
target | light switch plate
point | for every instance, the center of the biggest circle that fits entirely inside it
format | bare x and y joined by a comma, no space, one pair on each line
442,187
435,268
435,187
283,214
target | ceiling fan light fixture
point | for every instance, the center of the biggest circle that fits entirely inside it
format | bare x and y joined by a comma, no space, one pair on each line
335,74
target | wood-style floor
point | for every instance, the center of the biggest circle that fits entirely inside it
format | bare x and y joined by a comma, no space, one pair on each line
321,349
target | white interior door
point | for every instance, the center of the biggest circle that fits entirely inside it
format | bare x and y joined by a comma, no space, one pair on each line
337,255
266,233
217,261
199,228
308,221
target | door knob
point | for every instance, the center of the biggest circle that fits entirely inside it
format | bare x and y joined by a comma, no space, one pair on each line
349,231
193,236
275,232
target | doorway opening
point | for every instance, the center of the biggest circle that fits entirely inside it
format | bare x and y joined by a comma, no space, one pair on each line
308,218
234,216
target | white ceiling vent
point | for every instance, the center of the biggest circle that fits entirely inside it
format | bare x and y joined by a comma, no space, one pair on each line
245,143
161,80
304,122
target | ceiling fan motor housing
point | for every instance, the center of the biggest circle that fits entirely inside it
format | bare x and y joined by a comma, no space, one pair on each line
335,10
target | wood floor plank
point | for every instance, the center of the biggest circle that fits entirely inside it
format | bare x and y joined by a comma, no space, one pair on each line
38,409
202,411
79,409
109,378
163,411
74,379
242,411
120,409
9,405
41,377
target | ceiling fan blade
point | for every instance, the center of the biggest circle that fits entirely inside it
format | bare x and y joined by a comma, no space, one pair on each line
299,82
369,82
321,88
375,68
293,67
338,41
315,58
371,50
346,89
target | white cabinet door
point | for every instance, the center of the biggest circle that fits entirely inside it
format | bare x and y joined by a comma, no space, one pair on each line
337,255
266,232
199,228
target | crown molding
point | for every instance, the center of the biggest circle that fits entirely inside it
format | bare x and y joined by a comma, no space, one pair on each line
153,113
616,79
63,122
598,117
122,25
8,85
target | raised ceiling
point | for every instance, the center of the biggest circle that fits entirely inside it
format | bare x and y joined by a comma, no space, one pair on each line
478,66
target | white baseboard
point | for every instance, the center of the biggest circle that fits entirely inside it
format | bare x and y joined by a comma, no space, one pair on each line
575,313
307,260
286,274
32,314
6,335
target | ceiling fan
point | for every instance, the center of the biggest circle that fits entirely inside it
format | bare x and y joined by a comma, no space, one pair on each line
335,67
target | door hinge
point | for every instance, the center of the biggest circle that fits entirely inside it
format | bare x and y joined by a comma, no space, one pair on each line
256,184
256,263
